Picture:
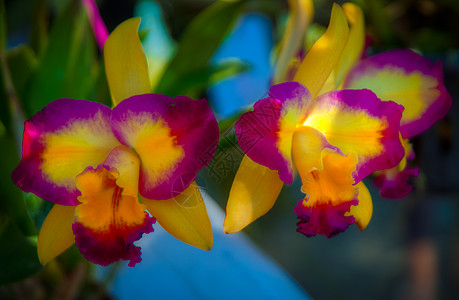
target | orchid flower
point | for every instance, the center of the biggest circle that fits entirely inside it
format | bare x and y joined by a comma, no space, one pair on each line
94,162
334,138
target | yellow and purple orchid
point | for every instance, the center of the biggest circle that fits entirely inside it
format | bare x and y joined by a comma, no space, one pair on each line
94,162
334,138
416,83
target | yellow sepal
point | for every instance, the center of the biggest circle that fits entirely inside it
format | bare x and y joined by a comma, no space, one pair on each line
184,217
125,62
364,210
56,234
355,44
324,54
254,191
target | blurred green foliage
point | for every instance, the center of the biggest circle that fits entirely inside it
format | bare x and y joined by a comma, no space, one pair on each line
197,45
67,67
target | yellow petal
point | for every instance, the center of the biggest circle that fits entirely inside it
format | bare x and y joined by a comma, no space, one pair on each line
56,233
254,191
364,210
301,13
355,44
125,62
184,217
324,54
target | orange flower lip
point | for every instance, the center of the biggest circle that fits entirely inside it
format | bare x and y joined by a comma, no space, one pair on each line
108,221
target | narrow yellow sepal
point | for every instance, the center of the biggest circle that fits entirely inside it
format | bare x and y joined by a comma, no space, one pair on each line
355,44
125,62
184,217
301,14
254,191
324,54
56,234
364,210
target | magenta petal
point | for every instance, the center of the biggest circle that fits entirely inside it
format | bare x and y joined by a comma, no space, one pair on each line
265,134
174,139
357,121
395,186
324,219
290,91
433,101
59,142
104,248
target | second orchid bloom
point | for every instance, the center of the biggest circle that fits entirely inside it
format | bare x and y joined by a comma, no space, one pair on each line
339,121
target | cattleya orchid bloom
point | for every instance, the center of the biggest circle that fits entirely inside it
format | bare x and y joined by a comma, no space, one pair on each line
95,162
334,138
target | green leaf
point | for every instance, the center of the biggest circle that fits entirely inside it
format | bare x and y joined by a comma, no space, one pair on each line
12,201
227,124
22,62
5,117
228,68
37,208
195,82
2,26
18,251
66,68
18,254
376,14
198,44
101,91
39,29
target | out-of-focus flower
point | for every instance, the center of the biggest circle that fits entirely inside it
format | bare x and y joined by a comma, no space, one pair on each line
93,162
416,83
336,138
393,183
